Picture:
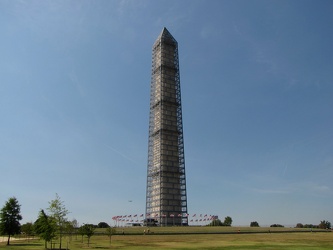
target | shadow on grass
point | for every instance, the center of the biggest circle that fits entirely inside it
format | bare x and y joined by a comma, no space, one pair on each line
24,244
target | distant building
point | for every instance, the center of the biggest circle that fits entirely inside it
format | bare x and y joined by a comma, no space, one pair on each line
166,199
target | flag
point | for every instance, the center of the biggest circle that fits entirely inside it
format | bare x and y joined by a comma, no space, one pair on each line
135,215
141,215
179,215
172,215
194,215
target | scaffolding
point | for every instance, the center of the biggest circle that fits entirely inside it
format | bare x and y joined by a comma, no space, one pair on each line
166,199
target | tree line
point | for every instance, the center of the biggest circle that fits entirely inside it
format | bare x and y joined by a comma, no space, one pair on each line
322,225
51,225
217,222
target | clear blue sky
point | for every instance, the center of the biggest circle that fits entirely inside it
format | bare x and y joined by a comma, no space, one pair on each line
257,96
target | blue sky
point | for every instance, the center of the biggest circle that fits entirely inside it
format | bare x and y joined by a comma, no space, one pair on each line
257,97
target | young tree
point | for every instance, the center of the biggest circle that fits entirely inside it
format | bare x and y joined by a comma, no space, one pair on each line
81,232
45,227
69,229
110,231
75,224
10,218
58,212
88,230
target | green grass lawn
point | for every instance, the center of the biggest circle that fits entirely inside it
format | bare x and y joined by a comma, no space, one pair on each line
194,238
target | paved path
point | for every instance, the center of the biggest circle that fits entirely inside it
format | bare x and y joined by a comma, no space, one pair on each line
5,238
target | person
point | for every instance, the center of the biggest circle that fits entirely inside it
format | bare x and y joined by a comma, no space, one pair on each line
144,231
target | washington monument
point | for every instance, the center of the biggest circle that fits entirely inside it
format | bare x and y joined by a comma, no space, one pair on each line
166,199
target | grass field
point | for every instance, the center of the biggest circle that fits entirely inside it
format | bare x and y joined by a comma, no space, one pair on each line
195,238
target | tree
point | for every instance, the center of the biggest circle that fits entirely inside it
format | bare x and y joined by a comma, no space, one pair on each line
324,224
58,212
254,224
299,225
215,223
75,224
89,230
10,218
81,232
110,231
103,225
69,229
276,225
45,227
227,221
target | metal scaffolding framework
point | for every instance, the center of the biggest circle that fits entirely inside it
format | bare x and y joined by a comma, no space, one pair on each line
166,199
